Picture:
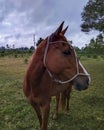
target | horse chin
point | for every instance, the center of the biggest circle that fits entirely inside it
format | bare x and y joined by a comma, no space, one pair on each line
80,87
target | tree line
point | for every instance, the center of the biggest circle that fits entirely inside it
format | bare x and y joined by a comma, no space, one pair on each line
95,47
16,52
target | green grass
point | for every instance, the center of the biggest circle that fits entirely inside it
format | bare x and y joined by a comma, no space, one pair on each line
86,107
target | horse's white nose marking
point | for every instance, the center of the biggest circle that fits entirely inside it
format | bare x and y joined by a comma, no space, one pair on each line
85,71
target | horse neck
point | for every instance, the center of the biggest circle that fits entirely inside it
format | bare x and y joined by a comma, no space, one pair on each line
36,67
39,52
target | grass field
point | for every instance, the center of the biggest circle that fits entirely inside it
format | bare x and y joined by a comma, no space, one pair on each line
86,107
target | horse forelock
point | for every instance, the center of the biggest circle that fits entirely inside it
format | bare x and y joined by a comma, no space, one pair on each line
59,37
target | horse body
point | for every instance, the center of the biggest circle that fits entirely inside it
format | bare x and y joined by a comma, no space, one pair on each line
49,63
39,94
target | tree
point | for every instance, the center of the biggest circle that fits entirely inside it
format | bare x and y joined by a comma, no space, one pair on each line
93,16
96,46
92,43
13,46
7,46
32,48
99,39
100,43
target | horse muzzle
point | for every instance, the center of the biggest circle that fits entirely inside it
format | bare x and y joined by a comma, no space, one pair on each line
81,82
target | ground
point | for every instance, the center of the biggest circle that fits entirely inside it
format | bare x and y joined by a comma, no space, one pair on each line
86,107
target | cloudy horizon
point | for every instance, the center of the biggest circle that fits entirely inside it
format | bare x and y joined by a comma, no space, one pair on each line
21,19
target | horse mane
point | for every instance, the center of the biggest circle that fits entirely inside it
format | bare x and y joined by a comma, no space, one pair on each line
36,67
39,52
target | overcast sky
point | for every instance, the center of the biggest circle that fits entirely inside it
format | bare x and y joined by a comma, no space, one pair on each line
20,19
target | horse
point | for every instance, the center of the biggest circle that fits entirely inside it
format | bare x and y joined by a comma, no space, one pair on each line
53,66
62,99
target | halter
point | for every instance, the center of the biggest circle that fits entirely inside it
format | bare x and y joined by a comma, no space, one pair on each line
76,62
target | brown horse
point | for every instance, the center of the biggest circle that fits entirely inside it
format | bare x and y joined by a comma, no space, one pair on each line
53,66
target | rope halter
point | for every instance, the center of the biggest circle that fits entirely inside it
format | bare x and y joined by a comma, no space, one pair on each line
76,62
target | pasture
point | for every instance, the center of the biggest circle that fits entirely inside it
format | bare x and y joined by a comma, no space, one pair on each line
86,107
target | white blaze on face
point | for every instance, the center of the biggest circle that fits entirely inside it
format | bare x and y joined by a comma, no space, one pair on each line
85,72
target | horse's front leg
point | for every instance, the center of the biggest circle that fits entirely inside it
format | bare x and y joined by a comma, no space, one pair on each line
67,102
57,106
37,110
45,115
68,99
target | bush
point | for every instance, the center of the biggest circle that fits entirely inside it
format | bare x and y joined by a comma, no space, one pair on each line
95,56
88,56
15,55
2,54
102,56
26,61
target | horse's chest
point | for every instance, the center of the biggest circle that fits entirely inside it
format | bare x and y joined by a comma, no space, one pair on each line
57,88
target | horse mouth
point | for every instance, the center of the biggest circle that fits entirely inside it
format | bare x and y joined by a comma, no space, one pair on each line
80,87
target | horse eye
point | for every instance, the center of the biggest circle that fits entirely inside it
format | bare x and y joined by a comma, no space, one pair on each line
66,52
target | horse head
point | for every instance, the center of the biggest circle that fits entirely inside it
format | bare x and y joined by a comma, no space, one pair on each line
61,61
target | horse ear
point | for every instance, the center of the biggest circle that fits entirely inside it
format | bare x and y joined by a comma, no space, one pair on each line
59,29
64,31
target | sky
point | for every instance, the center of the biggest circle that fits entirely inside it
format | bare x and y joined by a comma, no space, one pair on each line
20,20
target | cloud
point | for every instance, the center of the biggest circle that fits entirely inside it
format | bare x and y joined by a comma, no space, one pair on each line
81,39
21,19
5,9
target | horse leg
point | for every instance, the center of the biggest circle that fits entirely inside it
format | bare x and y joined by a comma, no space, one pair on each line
63,100
57,107
45,115
67,102
68,98
38,111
